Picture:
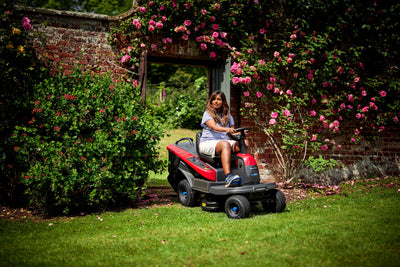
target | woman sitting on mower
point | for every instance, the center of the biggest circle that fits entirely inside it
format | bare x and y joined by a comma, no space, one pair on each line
217,122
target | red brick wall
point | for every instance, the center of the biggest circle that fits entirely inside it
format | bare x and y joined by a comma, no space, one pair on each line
72,38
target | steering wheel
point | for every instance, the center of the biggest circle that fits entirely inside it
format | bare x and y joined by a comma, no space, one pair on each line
242,133
242,129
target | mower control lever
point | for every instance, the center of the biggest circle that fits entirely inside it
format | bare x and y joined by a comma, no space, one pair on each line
240,137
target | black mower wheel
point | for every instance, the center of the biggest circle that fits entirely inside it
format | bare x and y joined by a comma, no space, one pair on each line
237,207
275,203
185,194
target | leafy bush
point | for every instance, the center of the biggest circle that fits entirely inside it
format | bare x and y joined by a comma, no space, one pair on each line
20,69
320,164
88,144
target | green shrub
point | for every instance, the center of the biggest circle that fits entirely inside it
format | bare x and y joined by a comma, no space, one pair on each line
90,143
320,164
20,69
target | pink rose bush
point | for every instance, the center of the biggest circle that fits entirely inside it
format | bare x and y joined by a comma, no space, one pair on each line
300,76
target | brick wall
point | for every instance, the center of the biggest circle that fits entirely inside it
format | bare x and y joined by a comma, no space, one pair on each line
70,38
80,38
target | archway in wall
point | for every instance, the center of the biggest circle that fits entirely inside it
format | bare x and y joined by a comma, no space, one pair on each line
176,94
216,73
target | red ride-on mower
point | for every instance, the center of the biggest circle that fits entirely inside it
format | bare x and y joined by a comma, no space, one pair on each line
198,178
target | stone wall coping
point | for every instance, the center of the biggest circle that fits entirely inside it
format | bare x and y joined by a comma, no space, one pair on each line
79,15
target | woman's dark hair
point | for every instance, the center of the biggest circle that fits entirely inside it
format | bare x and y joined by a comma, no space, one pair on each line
224,111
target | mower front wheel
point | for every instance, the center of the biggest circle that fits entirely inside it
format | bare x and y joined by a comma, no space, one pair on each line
186,195
237,207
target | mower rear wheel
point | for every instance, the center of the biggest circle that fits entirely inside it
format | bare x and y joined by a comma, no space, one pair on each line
237,207
276,202
185,194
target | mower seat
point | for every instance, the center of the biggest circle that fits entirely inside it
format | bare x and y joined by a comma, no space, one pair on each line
213,160
216,160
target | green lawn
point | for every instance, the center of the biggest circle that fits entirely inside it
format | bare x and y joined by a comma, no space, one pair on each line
170,137
359,227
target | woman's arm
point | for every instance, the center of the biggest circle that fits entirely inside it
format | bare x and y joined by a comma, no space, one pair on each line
213,126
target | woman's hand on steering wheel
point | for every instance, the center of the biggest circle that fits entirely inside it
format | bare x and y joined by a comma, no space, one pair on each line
230,131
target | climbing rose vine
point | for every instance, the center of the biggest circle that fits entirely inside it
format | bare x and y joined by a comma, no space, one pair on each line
306,78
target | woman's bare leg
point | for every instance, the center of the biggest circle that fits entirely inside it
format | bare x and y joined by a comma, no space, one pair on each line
223,149
236,147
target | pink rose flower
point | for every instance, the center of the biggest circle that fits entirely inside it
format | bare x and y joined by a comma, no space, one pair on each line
188,23
26,23
137,24
259,94
125,58
286,113
245,93
324,147
159,25
272,121
313,113
313,138
274,115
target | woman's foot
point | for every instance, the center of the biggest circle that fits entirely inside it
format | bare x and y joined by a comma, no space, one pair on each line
232,180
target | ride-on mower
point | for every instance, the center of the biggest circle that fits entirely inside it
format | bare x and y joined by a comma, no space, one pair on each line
199,179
